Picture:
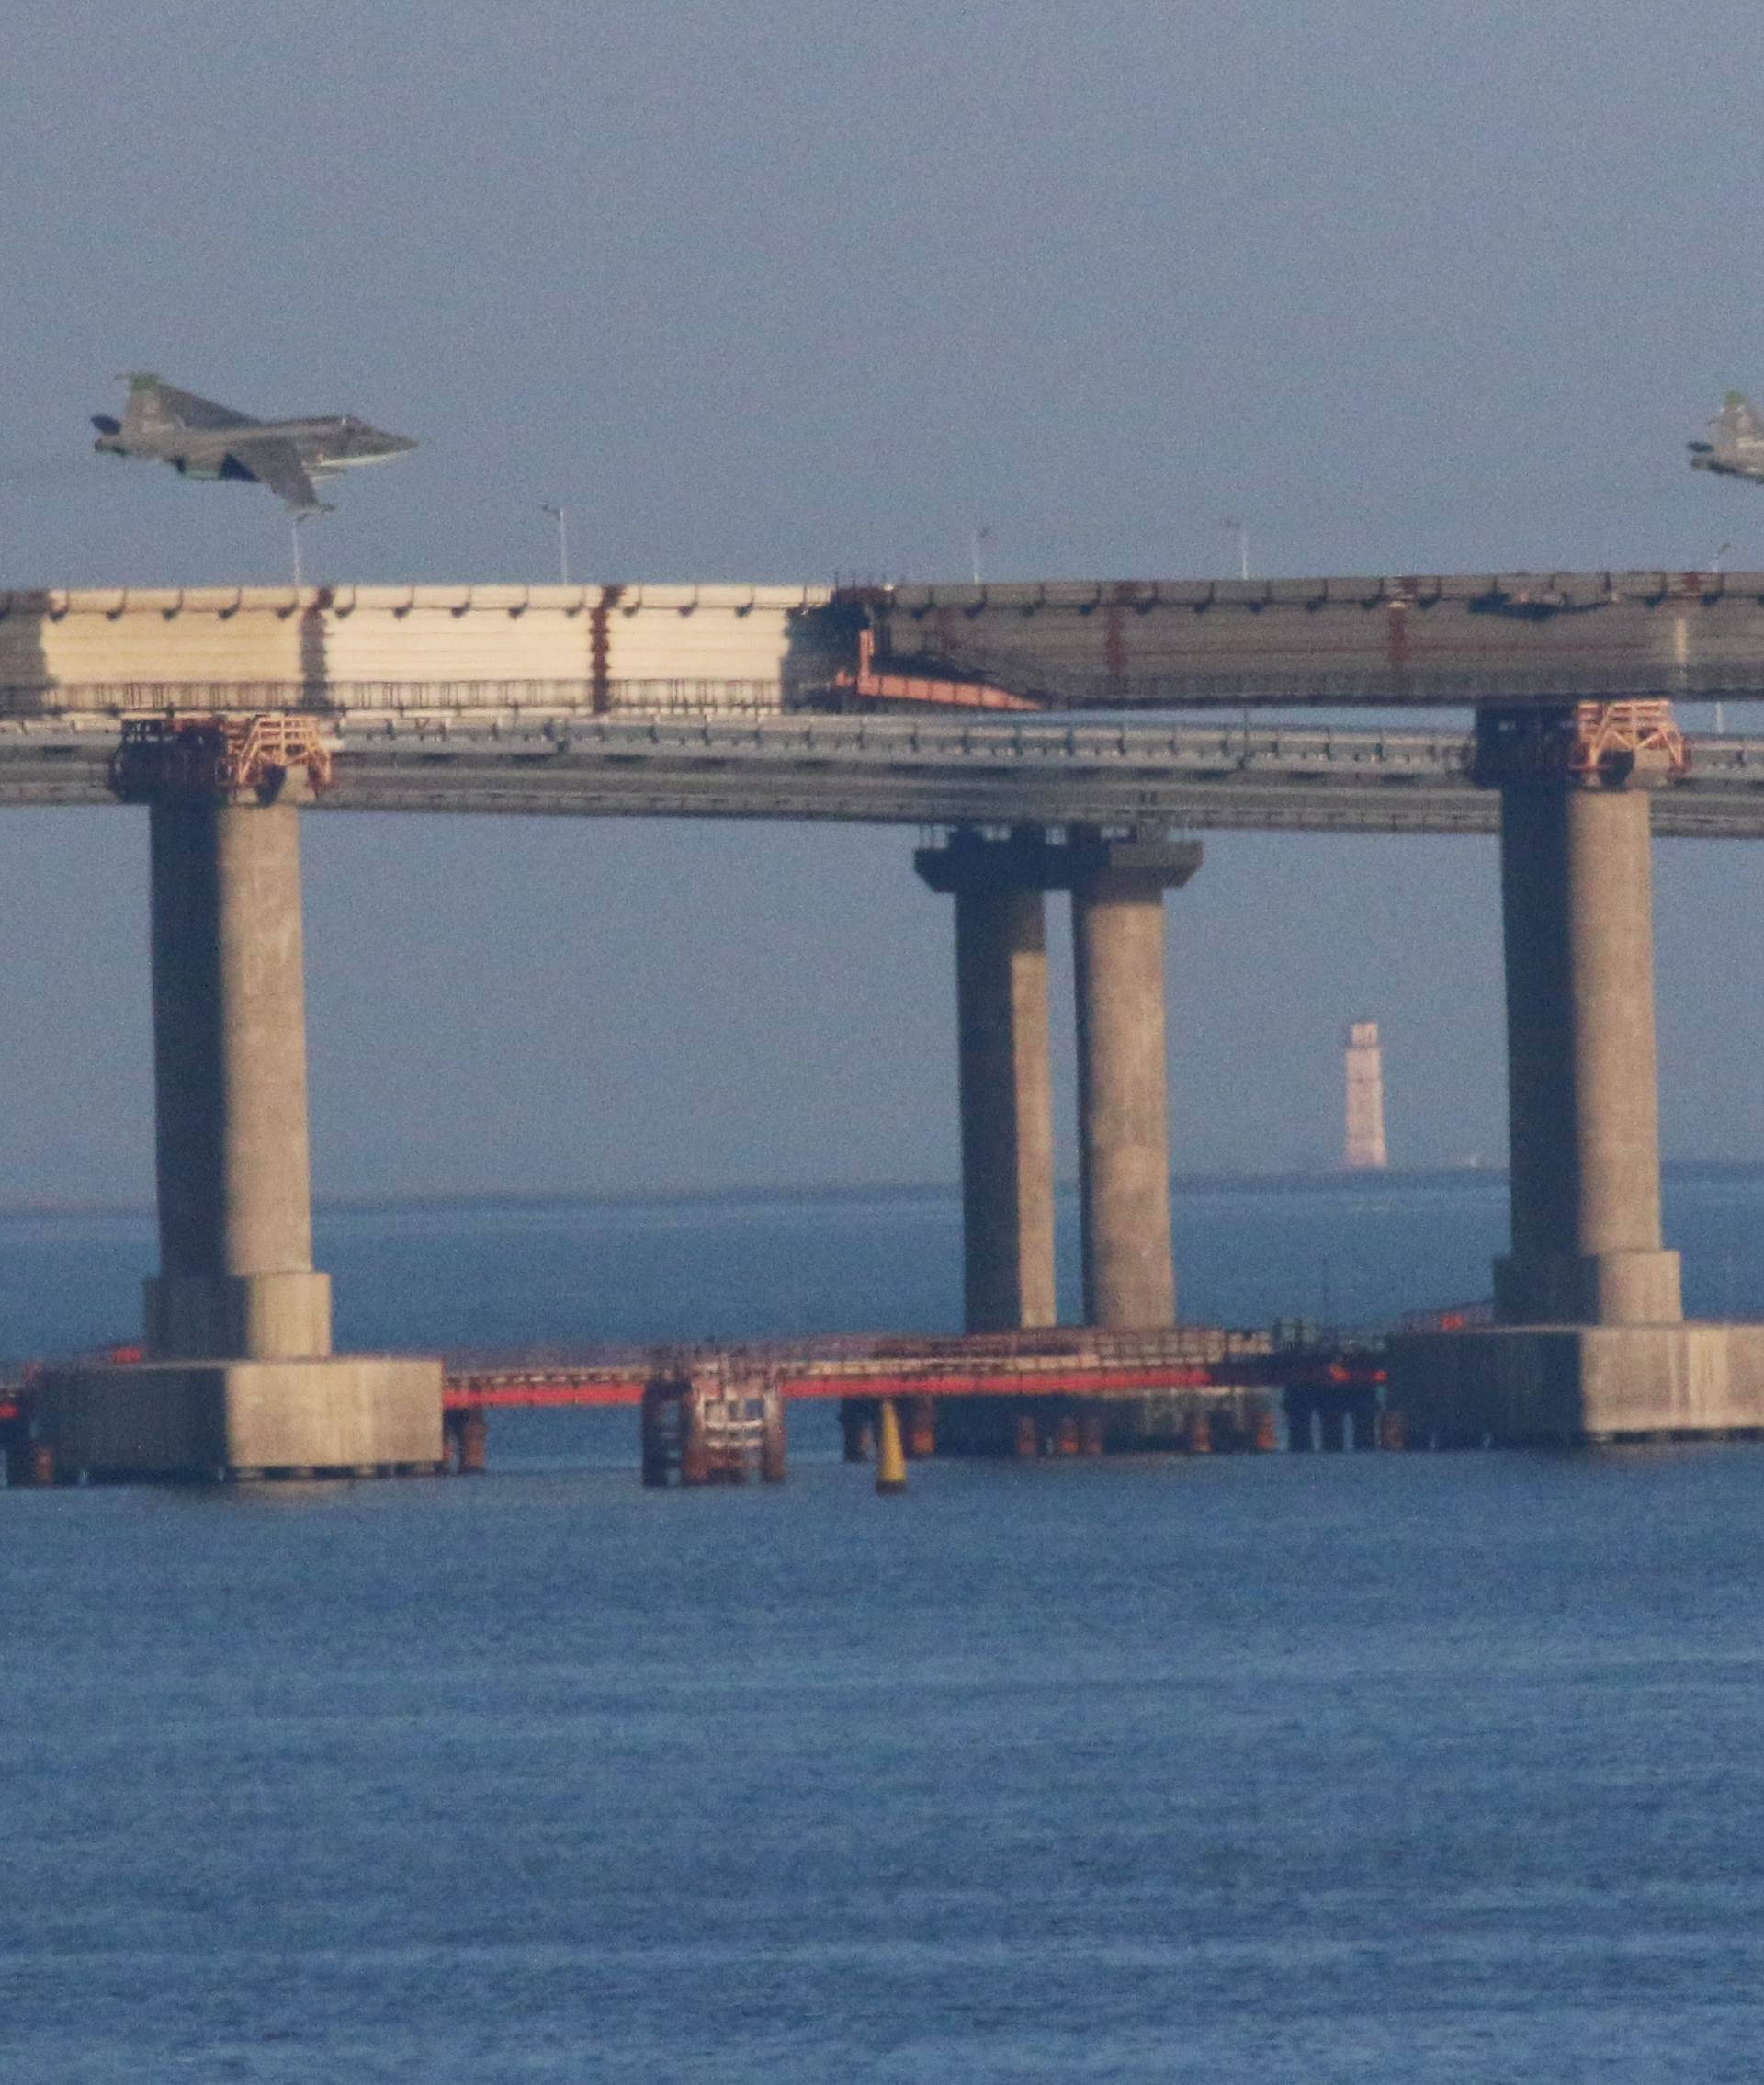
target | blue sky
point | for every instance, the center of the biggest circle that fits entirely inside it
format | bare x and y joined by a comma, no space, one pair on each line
773,292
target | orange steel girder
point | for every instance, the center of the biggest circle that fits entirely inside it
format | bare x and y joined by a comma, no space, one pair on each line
869,686
1592,744
219,755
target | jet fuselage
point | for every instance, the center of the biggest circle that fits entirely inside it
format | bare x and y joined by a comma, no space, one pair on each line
201,439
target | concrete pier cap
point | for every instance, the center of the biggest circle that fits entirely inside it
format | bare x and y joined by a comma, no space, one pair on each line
239,1375
1590,1341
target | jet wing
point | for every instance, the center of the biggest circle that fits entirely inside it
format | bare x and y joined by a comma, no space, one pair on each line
277,464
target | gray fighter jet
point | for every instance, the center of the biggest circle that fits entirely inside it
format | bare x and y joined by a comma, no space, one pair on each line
200,439
1738,450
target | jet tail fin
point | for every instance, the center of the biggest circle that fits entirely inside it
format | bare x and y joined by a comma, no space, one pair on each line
1739,419
145,413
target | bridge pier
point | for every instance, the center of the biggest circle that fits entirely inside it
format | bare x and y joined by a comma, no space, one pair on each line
234,1170
1122,1079
1006,1088
1583,1105
239,1374
1590,1341
1117,887
857,1429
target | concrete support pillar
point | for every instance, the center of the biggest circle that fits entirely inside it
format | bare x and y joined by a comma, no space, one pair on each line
857,1428
1007,1111
1123,1103
774,1454
236,1279
1583,1100
474,1443
1590,1342
659,1423
1117,886
239,1379
1007,1117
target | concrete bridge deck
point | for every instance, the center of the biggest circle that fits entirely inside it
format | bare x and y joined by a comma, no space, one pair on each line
927,770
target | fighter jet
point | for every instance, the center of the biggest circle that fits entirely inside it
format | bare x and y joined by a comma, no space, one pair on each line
1738,450
200,439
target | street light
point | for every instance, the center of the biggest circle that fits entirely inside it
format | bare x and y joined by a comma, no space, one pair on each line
559,514
1240,529
296,522
1721,708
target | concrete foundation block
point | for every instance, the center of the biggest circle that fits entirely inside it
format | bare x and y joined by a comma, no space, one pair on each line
215,1420
1561,1385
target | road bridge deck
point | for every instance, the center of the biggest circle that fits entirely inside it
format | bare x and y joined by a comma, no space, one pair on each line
910,771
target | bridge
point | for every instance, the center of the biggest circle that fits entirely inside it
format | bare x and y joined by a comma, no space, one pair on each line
1014,718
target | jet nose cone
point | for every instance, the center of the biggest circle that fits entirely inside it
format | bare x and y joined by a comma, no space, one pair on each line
376,441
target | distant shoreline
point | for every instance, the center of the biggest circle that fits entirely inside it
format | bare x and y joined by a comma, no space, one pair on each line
1195,1182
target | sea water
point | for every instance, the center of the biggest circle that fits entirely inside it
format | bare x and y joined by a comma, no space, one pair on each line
1391,1768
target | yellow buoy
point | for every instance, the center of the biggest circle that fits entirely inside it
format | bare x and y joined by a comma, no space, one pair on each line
890,1457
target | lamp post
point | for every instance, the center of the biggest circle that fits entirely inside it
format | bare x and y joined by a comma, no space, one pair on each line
296,522
1721,708
560,515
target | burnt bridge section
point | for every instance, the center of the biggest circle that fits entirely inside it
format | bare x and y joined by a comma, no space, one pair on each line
1456,639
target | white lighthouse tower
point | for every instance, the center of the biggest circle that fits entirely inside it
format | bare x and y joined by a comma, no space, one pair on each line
1365,1060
